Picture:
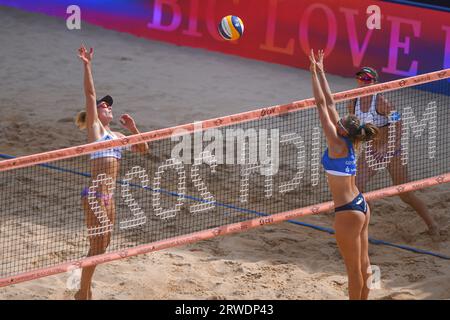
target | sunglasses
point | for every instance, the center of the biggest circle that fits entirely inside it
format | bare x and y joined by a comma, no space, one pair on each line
364,79
104,105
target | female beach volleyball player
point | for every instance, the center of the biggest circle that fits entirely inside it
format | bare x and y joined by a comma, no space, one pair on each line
376,109
96,119
352,214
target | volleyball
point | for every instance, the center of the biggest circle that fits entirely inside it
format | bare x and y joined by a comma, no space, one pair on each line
231,28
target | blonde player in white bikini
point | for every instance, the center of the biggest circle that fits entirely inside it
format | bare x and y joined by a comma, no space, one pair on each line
375,109
96,119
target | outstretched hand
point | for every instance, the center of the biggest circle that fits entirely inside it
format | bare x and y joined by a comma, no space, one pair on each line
312,59
316,62
84,55
319,62
127,122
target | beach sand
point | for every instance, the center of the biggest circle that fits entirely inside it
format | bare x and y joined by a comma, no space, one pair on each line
164,85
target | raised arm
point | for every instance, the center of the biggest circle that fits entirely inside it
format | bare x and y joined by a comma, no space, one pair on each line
89,89
328,126
329,101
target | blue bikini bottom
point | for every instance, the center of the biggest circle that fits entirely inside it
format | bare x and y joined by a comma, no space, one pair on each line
358,204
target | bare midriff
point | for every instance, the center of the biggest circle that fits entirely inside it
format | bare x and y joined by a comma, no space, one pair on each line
343,189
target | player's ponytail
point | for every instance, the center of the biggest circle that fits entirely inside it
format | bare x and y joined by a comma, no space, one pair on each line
80,120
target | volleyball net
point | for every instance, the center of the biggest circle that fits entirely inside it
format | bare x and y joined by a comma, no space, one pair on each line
208,178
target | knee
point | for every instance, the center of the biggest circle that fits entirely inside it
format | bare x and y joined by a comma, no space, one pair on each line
96,250
355,276
99,245
365,261
353,268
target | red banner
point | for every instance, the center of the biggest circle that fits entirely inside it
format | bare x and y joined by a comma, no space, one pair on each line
397,40
410,40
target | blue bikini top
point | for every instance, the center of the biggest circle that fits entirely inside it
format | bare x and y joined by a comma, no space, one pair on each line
341,166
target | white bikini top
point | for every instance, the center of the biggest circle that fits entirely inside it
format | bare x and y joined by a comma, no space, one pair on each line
114,152
372,116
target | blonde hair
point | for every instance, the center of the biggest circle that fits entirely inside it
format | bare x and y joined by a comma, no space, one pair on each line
80,120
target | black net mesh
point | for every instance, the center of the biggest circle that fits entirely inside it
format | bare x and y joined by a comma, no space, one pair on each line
59,212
